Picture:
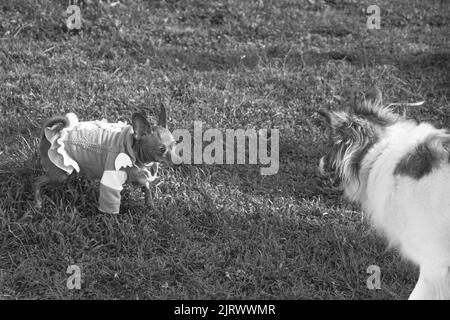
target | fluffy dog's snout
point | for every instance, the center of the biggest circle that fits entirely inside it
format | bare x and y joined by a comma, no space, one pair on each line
322,165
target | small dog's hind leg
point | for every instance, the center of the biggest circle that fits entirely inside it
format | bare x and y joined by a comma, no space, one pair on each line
40,181
52,173
43,180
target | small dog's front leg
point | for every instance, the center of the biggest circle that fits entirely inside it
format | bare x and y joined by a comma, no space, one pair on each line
147,196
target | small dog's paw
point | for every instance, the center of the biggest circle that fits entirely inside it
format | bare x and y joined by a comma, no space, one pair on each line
38,204
148,200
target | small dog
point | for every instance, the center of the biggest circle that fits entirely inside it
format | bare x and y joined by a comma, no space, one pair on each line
399,171
116,153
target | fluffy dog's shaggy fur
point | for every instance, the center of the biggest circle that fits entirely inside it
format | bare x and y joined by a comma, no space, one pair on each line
399,171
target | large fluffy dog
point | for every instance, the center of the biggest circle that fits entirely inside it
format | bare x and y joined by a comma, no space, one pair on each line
399,171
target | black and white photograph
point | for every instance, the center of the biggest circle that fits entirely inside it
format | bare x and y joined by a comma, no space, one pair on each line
236,152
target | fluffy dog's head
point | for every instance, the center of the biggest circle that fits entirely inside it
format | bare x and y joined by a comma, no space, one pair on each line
354,131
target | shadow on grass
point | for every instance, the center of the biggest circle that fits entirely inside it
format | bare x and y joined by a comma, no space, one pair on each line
297,175
213,232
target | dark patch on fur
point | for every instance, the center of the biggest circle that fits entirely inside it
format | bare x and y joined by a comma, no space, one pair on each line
417,163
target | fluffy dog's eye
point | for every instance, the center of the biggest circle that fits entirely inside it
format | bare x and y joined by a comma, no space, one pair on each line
162,149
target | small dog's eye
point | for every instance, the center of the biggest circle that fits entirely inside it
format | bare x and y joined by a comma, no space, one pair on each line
162,149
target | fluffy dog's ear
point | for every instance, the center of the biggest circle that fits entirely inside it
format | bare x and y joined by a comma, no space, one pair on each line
325,112
373,99
141,126
335,119
162,119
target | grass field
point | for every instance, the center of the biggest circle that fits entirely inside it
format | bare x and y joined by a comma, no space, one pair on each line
213,232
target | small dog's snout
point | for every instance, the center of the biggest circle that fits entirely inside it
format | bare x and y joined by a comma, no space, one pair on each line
175,162
174,159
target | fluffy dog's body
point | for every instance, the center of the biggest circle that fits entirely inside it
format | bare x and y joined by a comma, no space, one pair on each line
399,171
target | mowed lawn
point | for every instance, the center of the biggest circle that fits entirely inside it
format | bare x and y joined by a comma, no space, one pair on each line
213,231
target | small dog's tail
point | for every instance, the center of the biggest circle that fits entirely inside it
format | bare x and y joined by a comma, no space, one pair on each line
61,121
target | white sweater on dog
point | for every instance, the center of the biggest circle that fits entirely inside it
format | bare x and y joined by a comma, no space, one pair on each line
98,149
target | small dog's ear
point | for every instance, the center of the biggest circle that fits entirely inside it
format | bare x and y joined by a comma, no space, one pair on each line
141,126
162,119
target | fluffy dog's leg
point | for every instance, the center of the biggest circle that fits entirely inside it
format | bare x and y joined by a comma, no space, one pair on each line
433,283
421,288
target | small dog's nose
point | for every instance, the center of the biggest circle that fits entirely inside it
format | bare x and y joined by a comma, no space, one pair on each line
175,160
